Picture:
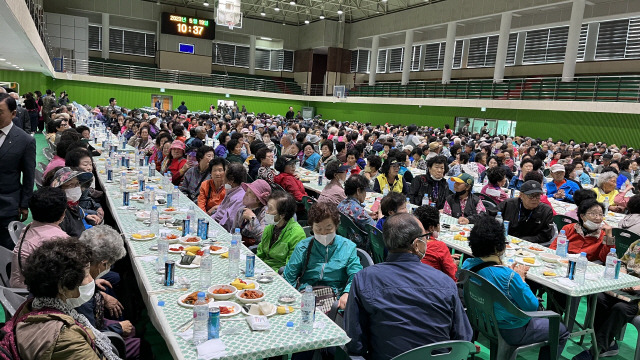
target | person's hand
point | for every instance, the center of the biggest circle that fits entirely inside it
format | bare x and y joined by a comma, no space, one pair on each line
102,284
247,214
520,270
24,214
608,230
463,220
113,305
186,166
94,218
213,209
127,328
342,302
631,289
456,259
373,215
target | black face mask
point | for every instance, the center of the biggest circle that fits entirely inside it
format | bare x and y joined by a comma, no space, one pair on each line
460,193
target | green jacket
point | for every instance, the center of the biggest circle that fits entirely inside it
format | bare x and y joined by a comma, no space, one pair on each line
278,255
334,265
235,158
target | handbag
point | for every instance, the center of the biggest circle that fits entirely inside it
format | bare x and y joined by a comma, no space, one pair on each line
621,199
325,295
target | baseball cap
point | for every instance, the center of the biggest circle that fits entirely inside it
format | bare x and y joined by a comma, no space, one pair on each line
607,156
434,146
557,168
531,187
463,178
343,168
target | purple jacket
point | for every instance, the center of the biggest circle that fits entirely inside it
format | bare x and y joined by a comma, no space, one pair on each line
229,207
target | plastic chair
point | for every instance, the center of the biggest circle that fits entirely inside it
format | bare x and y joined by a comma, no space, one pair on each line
457,350
39,178
624,238
15,228
42,166
6,256
636,323
281,271
117,343
47,153
376,242
365,259
10,300
490,206
351,231
307,231
480,296
307,201
561,221
486,197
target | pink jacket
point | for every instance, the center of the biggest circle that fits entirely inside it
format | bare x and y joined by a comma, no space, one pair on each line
55,162
37,234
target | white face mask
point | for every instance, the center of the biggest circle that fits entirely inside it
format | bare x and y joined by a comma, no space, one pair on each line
579,172
227,187
325,239
73,194
86,293
269,219
591,225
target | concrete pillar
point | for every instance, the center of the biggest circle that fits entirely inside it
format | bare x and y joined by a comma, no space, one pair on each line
421,62
522,36
408,52
465,54
592,41
373,64
449,51
252,55
503,44
575,24
105,35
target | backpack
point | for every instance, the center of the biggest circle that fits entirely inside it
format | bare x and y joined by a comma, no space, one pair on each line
8,344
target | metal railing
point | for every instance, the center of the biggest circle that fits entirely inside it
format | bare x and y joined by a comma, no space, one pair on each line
584,88
122,71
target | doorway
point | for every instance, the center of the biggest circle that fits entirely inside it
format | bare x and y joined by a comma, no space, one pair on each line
318,73
166,102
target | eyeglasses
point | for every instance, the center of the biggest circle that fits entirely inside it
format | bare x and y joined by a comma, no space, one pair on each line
596,214
421,236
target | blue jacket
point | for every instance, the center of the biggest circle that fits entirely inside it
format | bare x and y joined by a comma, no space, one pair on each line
311,162
333,265
401,304
569,187
510,284
515,183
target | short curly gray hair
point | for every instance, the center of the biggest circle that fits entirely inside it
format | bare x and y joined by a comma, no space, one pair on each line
606,176
105,244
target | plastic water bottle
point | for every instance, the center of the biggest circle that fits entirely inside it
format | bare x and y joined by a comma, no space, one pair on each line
408,204
140,181
152,168
154,219
385,191
606,205
165,183
562,243
205,270
234,258
307,311
499,217
425,200
320,173
581,268
169,198
176,196
193,222
169,177
145,194
152,196
200,320
123,181
610,265
136,158
109,170
163,251
348,174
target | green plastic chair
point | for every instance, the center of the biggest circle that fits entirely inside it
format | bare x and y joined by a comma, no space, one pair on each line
348,229
561,221
457,350
307,201
624,238
376,242
480,296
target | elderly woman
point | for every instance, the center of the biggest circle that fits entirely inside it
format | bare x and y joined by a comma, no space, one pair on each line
488,244
432,184
266,172
355,188
73,182
311,158
326,149
496,180
251,221
47,206
438,254
286,165
374,163
333,192
393,203
176,163
631,221
225,215
526,165
606,190
326,259
591,234
581,176
390,179
79,159
282,233
142,141
158,151
196,175
58,276
212,191
463,204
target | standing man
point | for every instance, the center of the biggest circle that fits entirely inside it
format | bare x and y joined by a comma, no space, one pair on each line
48,103
182,109
18,156
22,119
290,114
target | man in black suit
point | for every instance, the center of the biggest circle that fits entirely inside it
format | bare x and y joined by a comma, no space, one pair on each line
18,159
21,119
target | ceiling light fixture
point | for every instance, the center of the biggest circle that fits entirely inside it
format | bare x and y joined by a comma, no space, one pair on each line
8,63
2,59
21,69
306,21
322,15
265,38
277,8
340,12
384,0
292,2
262,13
206,3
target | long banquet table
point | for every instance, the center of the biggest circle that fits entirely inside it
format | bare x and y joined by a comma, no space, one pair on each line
167,319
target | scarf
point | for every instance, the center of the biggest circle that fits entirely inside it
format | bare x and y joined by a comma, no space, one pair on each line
102,341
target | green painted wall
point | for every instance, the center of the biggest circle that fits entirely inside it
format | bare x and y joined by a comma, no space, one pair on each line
581,126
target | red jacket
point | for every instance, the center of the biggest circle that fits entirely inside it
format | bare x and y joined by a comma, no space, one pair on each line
174,167
595,248
292,185
439,257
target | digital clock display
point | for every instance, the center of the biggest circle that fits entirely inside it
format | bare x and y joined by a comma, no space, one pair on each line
175,24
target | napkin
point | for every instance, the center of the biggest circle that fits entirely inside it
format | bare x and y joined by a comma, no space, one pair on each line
593,277
211,349
187,334
567,282
148,258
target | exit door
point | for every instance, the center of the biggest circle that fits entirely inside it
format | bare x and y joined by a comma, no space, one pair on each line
166,102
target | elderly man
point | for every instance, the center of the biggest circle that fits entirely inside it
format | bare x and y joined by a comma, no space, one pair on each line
529,219
403,304
561,188
197,141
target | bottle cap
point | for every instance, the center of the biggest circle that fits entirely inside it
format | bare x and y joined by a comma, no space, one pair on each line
237,230
154,207
562,232
160,303
583,254
289,323
201,294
